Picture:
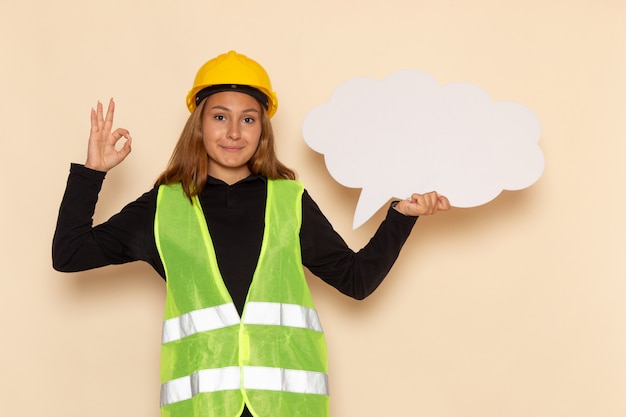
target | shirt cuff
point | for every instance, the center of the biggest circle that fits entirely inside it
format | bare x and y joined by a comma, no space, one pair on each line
83,171
395,215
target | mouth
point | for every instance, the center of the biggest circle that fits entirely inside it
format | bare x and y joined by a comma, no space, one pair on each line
232,148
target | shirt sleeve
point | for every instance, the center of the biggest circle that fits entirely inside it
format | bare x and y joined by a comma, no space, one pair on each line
356,274
127,236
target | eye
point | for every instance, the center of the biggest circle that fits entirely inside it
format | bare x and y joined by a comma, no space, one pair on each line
248,120
219,117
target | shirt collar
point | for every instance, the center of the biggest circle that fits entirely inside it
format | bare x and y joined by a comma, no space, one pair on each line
252,177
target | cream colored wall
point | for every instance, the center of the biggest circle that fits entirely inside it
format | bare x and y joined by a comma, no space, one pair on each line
511,309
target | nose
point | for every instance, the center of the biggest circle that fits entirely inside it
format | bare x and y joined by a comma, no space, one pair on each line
234,132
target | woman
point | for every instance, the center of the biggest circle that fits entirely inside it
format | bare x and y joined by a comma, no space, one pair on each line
229,229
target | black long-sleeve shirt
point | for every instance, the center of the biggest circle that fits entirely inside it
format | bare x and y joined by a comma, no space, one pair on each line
235,217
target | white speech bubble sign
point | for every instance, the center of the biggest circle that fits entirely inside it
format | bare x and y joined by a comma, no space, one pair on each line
407,134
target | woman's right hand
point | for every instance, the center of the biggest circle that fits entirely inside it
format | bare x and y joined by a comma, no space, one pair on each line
102,154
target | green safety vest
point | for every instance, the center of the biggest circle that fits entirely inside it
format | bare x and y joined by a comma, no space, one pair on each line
274,357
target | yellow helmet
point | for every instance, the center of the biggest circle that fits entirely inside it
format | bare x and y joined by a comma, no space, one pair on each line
236,72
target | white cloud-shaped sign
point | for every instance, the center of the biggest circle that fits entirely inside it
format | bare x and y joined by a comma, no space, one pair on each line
407,134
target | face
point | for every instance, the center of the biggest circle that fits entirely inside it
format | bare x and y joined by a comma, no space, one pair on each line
231,129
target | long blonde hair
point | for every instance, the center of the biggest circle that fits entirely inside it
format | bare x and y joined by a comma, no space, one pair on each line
189,163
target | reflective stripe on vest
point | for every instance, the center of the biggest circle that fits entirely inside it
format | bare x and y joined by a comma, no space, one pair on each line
206,380
225,315
212,361
254,377
210,318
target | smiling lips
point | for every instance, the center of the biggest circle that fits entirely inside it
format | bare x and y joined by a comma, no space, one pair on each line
232,148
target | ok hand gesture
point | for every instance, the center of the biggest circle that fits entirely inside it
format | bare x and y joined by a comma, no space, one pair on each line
102,154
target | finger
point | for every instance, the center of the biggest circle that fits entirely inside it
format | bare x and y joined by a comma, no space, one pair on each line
126,149
443,202
118,134
108,121
421,202
418,198
99,115
432,202
94,121
425,201
431,207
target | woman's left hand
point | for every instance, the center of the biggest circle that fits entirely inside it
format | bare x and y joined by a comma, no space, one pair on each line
423,204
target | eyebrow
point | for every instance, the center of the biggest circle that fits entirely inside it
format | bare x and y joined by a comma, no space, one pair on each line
218,107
